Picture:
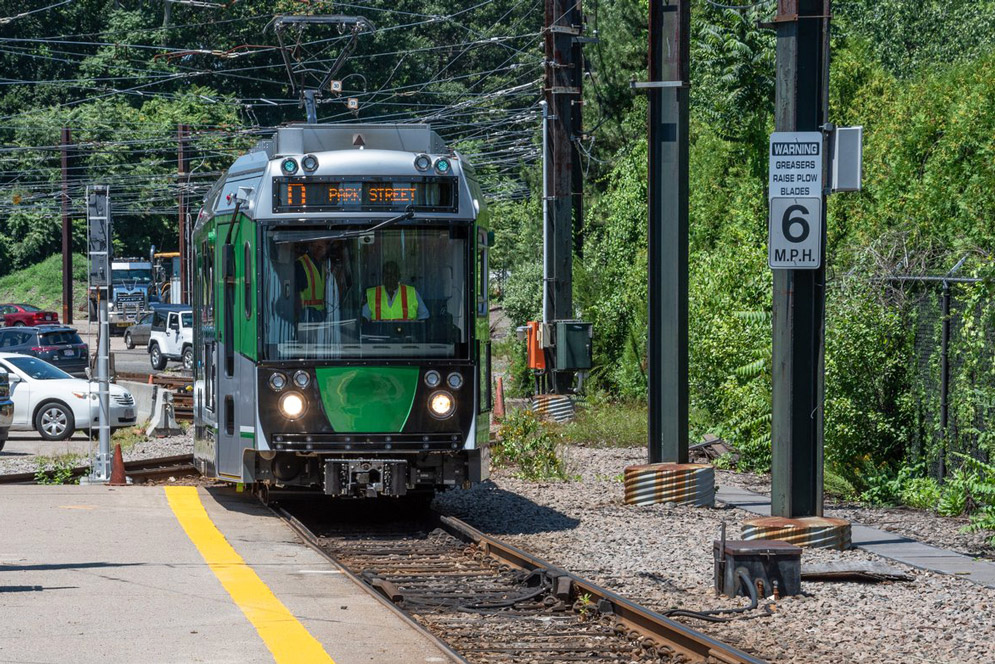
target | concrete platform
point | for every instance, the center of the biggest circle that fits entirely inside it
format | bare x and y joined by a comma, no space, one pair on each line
101,574
883,543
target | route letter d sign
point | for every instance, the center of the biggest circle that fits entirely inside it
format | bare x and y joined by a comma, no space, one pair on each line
795,233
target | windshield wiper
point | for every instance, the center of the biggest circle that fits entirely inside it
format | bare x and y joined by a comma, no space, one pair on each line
344,235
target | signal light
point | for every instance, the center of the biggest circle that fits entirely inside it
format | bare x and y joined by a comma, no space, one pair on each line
423,162
442,165
309,163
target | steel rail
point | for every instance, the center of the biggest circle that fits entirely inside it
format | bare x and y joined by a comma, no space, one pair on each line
667,632
144,468
312,542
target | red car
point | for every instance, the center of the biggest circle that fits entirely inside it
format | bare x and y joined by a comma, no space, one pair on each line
16,315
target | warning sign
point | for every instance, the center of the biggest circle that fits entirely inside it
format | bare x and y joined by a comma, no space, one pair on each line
795,164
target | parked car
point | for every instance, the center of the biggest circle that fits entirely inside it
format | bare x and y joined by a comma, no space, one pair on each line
171,336
57,344
6,408
19,315
53,403
138,334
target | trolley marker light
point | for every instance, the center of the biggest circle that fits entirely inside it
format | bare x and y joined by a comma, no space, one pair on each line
443,166
441,405
423,162
302,379
289,166
292,405
278,381
455,380
309,163
432,378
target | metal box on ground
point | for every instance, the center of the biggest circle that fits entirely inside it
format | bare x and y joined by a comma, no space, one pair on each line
769,561
573,345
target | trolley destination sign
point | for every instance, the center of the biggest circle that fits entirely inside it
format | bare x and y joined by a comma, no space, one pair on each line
795,197
308,194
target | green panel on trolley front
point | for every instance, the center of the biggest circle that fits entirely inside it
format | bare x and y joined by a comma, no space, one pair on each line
368,399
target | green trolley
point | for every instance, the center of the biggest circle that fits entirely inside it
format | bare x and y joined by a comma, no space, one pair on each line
341,316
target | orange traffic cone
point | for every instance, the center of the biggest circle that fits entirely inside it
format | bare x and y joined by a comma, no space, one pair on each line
150,379
499,399
117,468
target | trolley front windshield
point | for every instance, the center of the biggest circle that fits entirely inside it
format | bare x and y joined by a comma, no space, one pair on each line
397,293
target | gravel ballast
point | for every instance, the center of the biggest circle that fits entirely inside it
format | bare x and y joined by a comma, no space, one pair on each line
146,449
661,556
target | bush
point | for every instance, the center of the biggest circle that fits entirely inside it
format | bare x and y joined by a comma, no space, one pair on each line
527,442
921,493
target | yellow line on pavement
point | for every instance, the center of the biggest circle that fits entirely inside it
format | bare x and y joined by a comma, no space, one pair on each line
283,634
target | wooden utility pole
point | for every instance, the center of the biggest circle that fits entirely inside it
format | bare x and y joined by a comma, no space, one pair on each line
67,234
564,75
800,294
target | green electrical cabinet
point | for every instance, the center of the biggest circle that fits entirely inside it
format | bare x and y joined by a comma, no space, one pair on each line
573,345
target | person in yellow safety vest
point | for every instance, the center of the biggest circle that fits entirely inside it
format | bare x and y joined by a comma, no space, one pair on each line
310,281
393,300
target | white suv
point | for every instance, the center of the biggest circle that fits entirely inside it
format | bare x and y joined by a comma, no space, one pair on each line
171,337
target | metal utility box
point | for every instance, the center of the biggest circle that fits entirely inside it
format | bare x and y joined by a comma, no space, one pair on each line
769,561
573,345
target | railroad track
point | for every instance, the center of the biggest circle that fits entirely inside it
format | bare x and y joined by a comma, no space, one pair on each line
139,471
490,602
180,386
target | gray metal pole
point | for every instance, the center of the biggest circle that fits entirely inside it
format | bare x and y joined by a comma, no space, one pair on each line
669,35
100,250
799,295
67,235
102,468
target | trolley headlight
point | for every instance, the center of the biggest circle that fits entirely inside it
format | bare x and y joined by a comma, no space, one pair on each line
423,162
443,165
441,405
302,379
277,381
289,166
309,163
292,405
455,380
432,378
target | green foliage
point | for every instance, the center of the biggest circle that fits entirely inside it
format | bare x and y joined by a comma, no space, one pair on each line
517,377
528,443
910,37
838,486
920,492
953,497
57,469
41,284
608,424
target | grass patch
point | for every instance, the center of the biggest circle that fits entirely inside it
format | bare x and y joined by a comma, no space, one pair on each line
58,469
41,284
604,424
128,437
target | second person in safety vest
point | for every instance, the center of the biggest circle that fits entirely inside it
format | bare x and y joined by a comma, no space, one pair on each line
310,280
393,300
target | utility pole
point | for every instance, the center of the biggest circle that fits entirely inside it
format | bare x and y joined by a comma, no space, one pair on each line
564,75
67,235
800,294
183,167
669,32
